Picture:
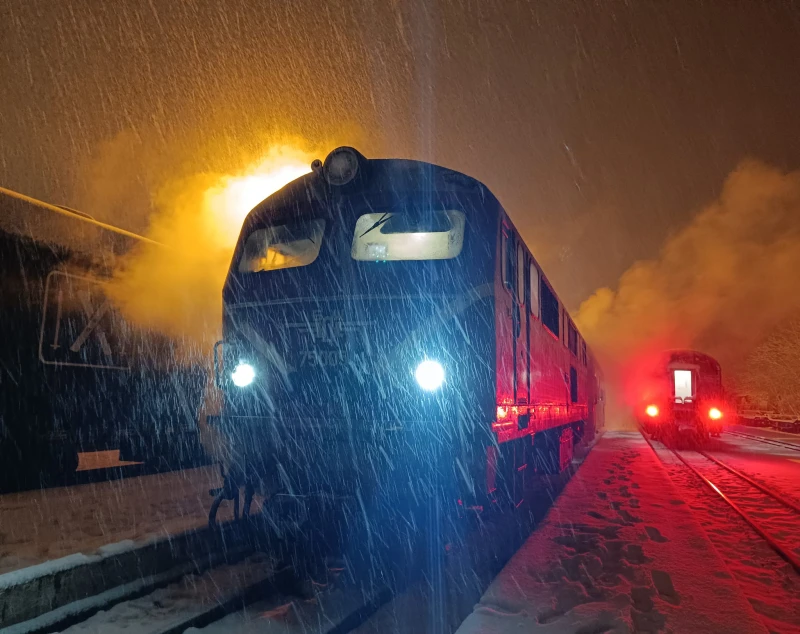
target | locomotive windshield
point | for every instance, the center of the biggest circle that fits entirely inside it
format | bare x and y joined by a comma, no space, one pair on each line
435,235
282,247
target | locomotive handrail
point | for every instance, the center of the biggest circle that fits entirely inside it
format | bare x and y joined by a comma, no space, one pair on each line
217,378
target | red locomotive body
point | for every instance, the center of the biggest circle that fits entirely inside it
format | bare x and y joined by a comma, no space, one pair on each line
548,385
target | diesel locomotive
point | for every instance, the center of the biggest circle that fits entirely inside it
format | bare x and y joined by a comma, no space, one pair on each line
390,342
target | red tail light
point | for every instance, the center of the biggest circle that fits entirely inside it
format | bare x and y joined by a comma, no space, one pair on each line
715,413
651,411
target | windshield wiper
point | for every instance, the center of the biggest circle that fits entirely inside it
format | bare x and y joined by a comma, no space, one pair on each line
377,223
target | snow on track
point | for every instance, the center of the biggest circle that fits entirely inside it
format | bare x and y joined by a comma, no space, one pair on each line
176,606
770,584
773,466
339,610
617,552
775,515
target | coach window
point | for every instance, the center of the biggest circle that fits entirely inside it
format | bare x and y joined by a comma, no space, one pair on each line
550,312
534,286
520,273
584,358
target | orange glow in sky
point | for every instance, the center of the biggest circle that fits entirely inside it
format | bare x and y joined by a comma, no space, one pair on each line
226,203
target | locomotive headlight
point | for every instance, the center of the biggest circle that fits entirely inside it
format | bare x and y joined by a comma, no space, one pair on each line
652,411
243,375
429,375
714,413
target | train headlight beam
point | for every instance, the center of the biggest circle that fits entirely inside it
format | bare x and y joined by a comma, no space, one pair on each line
243,375
429,375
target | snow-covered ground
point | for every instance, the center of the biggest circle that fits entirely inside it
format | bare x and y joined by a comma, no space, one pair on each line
42,525
633,543
618,552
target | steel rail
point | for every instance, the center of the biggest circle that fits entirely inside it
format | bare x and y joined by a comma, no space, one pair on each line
775,496
787,556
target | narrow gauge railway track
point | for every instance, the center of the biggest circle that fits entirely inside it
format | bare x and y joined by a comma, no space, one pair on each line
737,490
768,441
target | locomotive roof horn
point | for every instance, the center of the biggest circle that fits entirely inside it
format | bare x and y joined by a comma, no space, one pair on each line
341,166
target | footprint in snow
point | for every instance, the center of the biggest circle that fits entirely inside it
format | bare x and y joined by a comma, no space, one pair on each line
663,583
655,535
642,598
628,517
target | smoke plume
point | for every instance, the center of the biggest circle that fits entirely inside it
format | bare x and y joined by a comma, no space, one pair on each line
719,285
177,289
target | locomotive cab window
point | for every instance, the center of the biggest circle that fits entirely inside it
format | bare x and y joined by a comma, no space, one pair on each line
282,247
429,235
550,313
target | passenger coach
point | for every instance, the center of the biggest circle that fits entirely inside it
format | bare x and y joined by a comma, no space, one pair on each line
684,394
387,335
76,376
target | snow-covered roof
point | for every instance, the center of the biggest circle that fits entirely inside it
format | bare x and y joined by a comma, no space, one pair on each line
43,223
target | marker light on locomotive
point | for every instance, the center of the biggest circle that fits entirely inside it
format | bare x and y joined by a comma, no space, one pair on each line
652,411
429,375
243,375
715,413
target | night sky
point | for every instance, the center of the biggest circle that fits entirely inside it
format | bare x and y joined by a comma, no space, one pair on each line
602,126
